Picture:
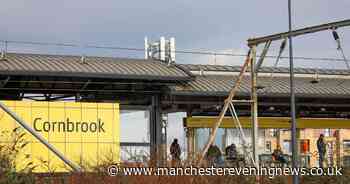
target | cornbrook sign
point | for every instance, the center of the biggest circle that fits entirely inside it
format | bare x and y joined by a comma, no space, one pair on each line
68,126
83,132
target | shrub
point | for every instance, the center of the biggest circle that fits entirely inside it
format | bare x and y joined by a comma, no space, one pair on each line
11,146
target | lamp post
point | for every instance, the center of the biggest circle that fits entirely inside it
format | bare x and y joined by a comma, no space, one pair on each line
292,98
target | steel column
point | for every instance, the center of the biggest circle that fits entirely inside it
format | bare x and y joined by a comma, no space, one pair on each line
155,129
190,138
190,142
292,96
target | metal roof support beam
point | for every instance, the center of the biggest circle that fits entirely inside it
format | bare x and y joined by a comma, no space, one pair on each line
40,138
269,122
4,82
132,144
242,101
298,32
85,85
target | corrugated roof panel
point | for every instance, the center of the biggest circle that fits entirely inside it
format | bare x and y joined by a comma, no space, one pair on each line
269,69
100,67
215,84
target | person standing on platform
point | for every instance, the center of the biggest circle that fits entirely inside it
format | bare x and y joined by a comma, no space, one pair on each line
175,152
321,147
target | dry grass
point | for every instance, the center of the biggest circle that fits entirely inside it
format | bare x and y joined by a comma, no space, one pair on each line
96,172
10,152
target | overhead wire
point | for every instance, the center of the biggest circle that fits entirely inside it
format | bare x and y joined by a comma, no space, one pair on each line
193,52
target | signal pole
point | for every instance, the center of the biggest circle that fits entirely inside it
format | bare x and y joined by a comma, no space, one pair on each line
292,98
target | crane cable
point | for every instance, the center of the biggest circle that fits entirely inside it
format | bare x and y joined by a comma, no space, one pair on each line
339,46
340,49
270,80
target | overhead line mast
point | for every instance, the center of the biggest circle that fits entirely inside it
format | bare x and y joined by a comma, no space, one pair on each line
298,32
251,57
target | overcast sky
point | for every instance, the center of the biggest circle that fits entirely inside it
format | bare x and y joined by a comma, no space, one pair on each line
223,26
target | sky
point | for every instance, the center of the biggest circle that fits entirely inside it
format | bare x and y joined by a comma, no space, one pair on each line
221,26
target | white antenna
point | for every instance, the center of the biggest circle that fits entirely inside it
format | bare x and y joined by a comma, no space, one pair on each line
172,49
83,59
163,50
3,55
146,48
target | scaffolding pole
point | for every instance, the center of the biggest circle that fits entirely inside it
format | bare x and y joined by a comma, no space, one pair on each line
227,103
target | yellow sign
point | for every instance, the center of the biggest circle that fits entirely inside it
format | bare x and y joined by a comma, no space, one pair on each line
86,133
268,122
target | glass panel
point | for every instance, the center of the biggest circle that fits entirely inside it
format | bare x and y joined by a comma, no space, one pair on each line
134,126
219,139
201,137
175,129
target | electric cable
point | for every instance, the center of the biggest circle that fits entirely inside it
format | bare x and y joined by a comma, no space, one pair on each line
193,52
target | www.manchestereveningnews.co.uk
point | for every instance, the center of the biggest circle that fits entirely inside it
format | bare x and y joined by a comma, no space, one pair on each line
115,170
